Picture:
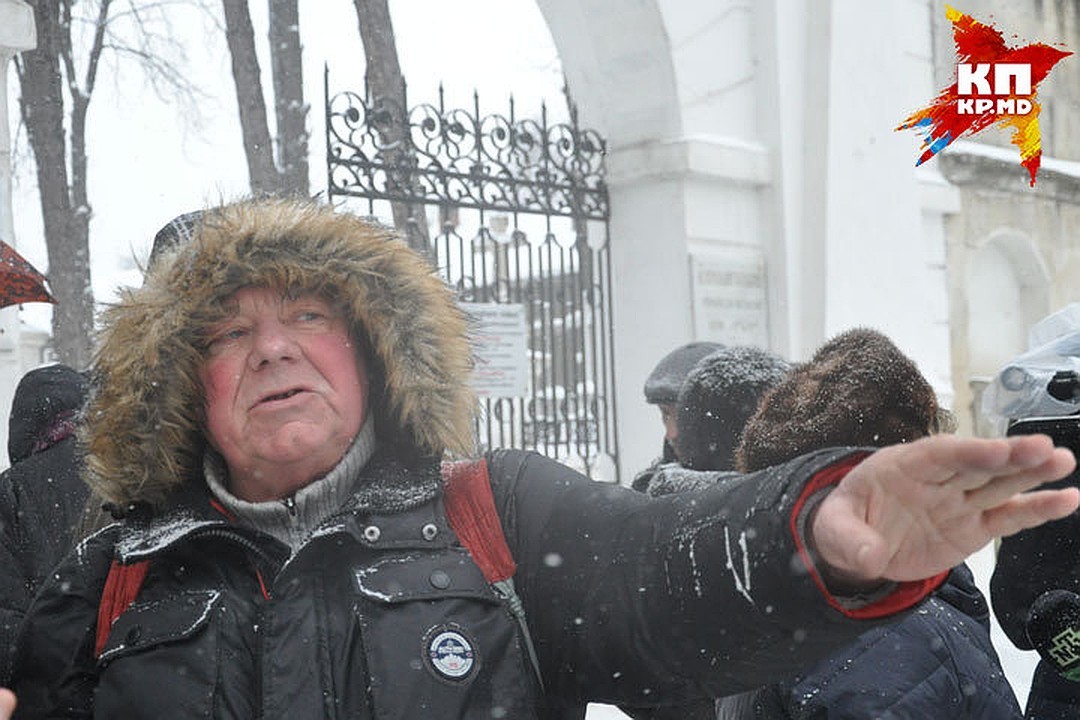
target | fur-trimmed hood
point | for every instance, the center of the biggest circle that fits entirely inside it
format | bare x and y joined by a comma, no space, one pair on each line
143,431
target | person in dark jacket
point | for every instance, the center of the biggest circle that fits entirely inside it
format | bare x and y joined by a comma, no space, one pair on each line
860,389
719,394
1042,382
41,494
664,382
268,420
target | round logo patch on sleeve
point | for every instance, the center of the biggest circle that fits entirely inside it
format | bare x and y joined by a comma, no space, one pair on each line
450,653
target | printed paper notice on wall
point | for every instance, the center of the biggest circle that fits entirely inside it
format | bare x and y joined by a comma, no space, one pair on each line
729,295
501,348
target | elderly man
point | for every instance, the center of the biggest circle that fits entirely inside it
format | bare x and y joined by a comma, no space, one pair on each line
271,411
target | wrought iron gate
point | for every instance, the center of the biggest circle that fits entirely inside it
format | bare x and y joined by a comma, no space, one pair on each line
513,212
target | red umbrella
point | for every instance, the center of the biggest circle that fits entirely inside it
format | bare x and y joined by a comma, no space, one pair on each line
20,282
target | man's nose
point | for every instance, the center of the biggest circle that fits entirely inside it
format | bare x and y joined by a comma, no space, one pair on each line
272,342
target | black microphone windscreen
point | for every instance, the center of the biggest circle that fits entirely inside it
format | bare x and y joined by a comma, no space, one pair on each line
1053,626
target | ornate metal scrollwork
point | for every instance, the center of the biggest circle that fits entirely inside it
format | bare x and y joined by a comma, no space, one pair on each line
429,154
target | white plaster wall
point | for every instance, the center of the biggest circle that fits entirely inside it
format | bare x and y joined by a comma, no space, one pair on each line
793,44
876,255
715,59
932,355
651,299
617,61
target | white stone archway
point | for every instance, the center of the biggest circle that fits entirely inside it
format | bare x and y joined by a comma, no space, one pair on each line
617,58
1006,291
742,129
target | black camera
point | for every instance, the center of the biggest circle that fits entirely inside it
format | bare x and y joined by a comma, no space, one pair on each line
1064,430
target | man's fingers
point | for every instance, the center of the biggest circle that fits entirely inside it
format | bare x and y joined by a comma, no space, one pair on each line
971,463
1032,450
7,703
1031,509
996,490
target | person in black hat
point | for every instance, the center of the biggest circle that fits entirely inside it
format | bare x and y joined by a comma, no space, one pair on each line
703,416
41,494
719,396
720,392
662,389
664,382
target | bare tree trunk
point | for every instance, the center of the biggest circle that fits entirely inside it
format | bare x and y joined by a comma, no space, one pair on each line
52,95
258,149
64,206
387,86
289,107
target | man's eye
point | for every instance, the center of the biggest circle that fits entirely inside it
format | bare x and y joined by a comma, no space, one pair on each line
226,337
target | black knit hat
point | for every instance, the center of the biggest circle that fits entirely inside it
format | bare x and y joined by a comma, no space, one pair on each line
663,384
719,395
857,390
178,231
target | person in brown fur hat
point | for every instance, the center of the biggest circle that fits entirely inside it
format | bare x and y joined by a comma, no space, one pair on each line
269,418
858,389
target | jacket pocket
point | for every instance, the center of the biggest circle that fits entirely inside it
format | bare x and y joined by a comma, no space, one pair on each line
161,658
437,640
146,625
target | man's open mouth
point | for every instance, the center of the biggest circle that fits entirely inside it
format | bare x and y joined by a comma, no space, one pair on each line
281,396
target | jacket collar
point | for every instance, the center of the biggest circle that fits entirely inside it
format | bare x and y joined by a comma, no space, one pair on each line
392,507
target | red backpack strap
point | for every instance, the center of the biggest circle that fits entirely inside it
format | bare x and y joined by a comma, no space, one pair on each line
121,588
470,508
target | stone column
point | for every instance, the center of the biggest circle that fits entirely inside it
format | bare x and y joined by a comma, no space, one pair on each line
16,34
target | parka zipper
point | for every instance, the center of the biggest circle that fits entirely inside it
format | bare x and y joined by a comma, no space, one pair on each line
256,553
245,542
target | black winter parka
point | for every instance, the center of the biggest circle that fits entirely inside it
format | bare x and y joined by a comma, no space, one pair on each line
629,599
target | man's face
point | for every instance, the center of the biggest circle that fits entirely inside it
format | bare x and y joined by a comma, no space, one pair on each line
667,415
286,392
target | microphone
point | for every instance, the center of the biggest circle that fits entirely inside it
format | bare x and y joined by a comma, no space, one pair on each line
1053,627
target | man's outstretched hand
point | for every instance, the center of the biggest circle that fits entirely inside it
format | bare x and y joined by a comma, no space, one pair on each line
908,512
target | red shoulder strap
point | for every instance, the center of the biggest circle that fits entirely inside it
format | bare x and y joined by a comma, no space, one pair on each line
470,508
121,588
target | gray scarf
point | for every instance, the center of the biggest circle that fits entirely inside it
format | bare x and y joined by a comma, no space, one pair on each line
293,519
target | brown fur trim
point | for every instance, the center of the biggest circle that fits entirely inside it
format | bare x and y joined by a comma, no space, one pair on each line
857,390
143,432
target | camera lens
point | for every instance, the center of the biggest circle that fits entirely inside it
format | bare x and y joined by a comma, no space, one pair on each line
1014,378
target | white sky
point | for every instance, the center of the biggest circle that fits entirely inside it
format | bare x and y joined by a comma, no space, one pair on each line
150,161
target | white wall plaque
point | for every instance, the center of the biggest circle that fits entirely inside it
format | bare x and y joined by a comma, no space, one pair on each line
729,297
